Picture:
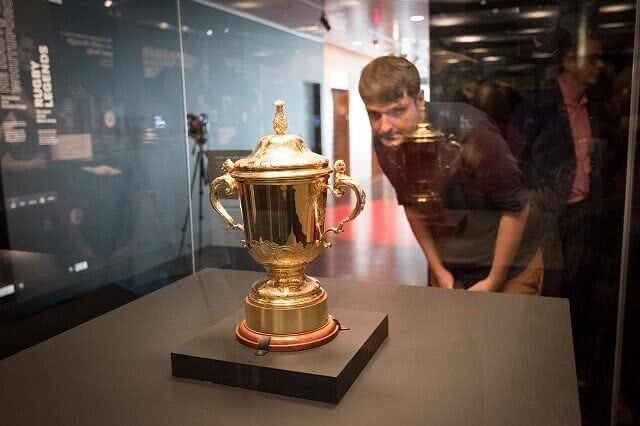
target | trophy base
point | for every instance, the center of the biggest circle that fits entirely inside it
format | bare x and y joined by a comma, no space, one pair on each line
272,318
288,342
322,374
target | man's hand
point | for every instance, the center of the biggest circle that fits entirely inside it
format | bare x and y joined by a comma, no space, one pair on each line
510,232
484,285
441,278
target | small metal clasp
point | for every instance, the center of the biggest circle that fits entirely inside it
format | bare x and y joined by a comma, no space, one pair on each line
263,345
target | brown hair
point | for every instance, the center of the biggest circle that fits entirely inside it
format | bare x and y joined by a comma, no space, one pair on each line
388,78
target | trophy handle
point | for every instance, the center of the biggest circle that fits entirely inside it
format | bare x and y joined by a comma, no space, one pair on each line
231,187
341,182
454,150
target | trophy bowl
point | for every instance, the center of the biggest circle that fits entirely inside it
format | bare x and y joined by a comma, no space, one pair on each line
419,165
282,189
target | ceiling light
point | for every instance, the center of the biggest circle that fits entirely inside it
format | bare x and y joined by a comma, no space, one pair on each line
416,18
346,3
226,30
542,55
492,58
538,14
611,25
479,50
532,31
617,7
453,61
247,5
356,43
446,21
108,3
163,25
209,32
308,28
468,39
186,29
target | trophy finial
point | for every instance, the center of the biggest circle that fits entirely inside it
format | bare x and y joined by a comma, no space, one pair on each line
424,113
228,166
279,119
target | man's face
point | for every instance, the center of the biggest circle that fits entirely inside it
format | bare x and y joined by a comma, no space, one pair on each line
389,121
586,69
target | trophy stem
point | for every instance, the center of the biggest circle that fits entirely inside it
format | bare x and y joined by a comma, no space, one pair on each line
286,301
289,277
285,286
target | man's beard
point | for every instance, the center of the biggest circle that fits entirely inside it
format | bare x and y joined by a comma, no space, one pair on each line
392,138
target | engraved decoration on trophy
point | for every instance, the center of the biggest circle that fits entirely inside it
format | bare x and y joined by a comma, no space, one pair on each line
282,188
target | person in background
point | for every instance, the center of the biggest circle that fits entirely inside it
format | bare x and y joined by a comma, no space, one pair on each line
498,101
485,200
562,159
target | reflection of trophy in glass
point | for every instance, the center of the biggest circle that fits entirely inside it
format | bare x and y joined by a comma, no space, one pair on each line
282,188
426,159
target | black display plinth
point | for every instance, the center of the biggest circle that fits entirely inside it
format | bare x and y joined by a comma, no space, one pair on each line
323,374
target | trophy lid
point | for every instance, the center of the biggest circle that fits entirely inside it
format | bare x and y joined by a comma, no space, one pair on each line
281,155
424,133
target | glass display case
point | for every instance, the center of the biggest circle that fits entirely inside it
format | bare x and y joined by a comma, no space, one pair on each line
117,114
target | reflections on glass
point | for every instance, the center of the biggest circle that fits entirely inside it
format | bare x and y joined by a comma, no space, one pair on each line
234,68
91,148
468,210
535,204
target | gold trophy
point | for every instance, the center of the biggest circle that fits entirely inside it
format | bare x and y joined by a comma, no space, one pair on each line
427,159
282,188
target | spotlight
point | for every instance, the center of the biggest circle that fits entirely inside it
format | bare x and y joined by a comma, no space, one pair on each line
108,3
325,22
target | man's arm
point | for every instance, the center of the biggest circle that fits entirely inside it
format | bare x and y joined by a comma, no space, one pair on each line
510,231
420,228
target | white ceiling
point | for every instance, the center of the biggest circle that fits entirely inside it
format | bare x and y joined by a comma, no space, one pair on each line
483,30
352,21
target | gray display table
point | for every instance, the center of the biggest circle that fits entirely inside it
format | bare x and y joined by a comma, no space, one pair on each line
452,357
